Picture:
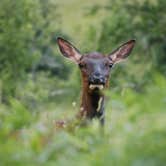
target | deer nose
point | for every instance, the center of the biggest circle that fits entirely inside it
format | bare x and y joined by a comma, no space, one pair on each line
97,79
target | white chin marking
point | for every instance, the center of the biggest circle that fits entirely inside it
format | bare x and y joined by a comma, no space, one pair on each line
93,86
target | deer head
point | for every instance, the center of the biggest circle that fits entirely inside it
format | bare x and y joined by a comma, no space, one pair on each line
95,67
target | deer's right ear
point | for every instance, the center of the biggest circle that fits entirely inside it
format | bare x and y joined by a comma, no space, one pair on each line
68,50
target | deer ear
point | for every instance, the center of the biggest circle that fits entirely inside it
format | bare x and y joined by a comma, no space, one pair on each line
68,50
122,52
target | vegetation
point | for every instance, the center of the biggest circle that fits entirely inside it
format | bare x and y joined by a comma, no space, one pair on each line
38,86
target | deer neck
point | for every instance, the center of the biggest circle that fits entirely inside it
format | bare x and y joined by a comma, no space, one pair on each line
92,103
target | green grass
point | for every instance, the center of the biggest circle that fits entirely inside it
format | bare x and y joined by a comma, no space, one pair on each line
134,132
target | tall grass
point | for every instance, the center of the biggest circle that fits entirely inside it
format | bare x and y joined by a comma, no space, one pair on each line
134,133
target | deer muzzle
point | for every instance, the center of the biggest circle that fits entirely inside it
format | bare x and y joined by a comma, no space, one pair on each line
96,82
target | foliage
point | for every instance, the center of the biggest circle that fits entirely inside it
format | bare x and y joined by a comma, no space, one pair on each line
38,86
134,133
14,41
23,40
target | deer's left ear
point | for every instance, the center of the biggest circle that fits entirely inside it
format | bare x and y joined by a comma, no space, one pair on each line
122,52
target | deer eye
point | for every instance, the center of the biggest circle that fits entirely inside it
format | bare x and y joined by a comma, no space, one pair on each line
82,65
110,65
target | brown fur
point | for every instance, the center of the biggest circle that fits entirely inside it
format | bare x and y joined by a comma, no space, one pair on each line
95,68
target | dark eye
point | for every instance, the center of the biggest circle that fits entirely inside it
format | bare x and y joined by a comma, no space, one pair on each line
82,65
110,65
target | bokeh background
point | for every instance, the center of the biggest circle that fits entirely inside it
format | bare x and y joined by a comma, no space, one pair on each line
38,86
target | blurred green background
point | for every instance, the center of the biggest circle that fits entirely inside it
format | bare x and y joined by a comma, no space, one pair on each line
38,86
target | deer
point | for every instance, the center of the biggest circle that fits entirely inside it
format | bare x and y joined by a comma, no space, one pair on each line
95,70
